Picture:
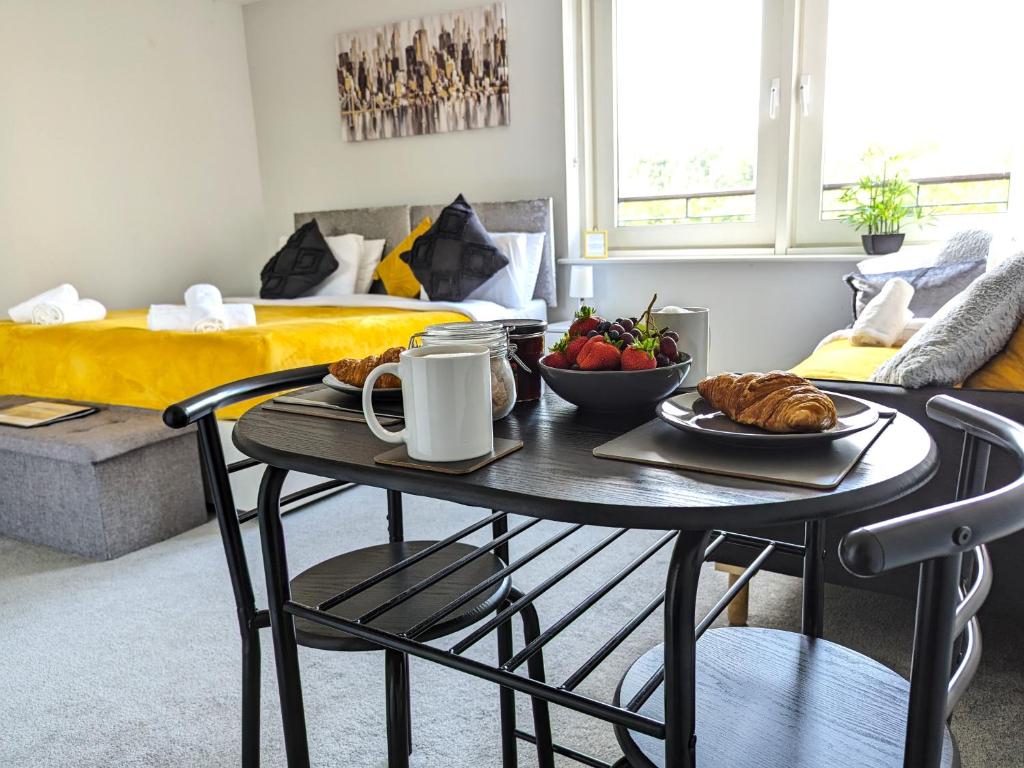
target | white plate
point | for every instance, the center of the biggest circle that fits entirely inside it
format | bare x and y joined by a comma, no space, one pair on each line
384,393
691,413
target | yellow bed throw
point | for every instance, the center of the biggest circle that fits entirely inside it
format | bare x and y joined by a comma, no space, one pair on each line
118,361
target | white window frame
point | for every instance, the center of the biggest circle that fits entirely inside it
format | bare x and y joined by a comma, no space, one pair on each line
757,234
790,148
809,230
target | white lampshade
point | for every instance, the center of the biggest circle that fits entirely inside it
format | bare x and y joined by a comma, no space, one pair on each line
581,281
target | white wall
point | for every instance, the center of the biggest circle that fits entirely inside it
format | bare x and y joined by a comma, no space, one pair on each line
127,148
305,163
764,315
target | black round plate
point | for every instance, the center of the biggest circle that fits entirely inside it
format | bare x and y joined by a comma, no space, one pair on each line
691,413
380,393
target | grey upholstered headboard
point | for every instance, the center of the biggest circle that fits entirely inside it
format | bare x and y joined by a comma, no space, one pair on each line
395,222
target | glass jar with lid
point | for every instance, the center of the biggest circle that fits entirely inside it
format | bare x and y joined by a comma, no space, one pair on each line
528,338
494,336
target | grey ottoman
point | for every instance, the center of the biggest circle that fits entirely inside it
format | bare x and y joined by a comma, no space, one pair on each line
99,486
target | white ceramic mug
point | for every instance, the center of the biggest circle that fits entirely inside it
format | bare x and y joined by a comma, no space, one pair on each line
691,323
446,396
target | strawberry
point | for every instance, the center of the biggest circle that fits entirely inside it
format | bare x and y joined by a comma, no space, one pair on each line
586,321
572,349
640,356
556,360
557,357
598,356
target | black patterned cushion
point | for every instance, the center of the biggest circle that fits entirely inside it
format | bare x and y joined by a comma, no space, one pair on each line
303,263
455,256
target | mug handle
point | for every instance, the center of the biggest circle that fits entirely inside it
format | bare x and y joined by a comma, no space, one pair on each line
371,418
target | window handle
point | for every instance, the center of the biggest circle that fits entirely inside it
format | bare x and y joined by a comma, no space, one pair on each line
773,99
805,95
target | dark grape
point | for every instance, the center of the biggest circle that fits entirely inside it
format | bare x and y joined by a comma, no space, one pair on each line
614,335
662,360
669,348
617,328
635,320
672,335
627,337
592,334
627,324
603,326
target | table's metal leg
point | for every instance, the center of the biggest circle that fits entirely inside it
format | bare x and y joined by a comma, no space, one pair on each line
813,615
506,696
286,654
396,532
396,671
681,649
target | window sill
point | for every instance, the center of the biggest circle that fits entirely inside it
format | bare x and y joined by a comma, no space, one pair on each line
843,254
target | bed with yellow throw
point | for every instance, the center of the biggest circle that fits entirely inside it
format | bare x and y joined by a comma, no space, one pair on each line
117,361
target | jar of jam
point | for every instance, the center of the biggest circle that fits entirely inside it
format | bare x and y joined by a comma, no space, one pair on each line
528,338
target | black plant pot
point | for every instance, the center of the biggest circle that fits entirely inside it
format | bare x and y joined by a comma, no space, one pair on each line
879,245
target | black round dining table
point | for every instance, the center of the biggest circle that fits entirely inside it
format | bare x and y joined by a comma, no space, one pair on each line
556,476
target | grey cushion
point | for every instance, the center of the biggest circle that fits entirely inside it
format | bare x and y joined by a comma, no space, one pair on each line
933,286
456,255
965,333
99,486
390,223
965,245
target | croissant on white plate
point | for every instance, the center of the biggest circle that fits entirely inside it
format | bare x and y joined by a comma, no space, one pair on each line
775,401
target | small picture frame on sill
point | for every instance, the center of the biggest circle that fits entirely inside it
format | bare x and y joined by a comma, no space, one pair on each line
595,244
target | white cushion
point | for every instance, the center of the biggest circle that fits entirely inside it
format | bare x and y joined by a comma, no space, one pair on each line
368,261
348,250
513,285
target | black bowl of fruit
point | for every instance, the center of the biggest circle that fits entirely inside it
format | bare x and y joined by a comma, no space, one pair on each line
615,366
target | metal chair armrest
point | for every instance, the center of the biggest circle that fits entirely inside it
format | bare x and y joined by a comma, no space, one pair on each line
951,528
192,409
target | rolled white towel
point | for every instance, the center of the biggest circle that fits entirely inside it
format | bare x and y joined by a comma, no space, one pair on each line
883,319
59,313
205,308
62,294
172,317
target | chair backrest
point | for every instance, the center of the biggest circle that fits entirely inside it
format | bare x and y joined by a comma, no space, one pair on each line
201,410
955,570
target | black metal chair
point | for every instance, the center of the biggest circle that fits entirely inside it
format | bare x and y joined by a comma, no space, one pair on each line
771,698
353,573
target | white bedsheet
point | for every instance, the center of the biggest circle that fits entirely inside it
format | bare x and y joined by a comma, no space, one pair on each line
474,309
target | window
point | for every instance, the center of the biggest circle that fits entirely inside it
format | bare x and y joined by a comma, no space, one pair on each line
739,122
931,87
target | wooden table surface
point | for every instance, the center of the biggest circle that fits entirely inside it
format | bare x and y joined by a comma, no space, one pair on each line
556,476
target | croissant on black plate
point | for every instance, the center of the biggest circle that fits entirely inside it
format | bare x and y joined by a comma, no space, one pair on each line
776,401
355,372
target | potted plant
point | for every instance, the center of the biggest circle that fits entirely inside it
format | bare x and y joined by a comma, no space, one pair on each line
881,204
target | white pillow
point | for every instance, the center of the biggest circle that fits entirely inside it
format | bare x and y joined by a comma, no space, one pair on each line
513,285
348,250
368,261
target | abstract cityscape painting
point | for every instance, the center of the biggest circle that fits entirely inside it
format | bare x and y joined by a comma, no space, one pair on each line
429,74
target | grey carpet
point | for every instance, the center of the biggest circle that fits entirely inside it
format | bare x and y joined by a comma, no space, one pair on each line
135,662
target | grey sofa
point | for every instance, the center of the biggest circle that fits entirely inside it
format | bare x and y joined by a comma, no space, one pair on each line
1008,565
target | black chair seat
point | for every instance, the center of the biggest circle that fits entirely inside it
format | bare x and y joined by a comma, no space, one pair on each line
333,576
773,699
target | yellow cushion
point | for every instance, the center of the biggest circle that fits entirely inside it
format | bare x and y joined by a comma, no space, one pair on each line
1005,370
396,275
839,360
